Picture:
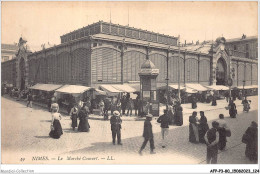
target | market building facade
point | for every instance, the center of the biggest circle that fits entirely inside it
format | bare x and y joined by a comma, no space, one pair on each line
106,53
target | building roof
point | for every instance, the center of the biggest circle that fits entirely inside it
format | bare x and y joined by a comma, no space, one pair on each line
242,39
118,30
9,47
203,47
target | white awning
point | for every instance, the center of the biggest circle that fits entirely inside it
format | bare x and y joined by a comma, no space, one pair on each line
45,87
109,88
196,86
251,87
218,87
125,88
118,88
73,89
136,86
190,90
100,92
173,86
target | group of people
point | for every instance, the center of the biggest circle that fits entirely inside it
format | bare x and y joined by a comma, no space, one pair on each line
75,114
216,137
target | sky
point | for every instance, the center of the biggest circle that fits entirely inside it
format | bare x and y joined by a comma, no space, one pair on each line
43,22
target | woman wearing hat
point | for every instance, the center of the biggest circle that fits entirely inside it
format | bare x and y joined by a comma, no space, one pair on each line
148,134
193,128
83,117
178,114
74,116
116,122
222,129
56,129
203,127
54,105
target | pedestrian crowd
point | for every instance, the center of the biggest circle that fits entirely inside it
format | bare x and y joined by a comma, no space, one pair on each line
215,138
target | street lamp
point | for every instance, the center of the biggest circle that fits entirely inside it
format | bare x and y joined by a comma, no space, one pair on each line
244,82
179,94
167,77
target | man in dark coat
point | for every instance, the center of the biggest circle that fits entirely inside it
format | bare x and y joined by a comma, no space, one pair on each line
194,102
116,122
212,139
148,134
165,121
123,104
29,100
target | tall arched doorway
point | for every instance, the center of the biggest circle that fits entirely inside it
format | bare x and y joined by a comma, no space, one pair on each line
22,73
221,72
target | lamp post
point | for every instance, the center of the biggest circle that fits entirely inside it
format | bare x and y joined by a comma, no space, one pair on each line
244,82
179,94
167,78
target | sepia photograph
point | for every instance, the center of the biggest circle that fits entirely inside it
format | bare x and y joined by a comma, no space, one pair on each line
170,82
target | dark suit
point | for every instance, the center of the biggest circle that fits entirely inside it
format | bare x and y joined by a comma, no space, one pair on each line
148,135
116,128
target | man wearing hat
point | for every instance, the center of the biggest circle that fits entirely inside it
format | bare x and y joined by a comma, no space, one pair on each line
148,134
164,120
116,122
212,139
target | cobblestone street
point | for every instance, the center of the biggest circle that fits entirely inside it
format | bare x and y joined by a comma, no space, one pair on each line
25,134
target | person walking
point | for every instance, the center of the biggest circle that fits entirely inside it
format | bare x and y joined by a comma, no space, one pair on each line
130,106
74,116
148,135
194,102
83,117
214,100
250,138
232,109
164,120
178,114
212,139
116,122
123,103
222,129
171,115
193,128
29,99
56,129
136,105
101,107
118,106
246,105
54,105
203,127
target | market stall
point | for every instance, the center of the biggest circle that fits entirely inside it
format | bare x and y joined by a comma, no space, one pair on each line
43,92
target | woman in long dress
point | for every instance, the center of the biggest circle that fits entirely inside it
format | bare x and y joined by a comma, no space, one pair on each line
203,127
214,100
83,117
56,129
232,109
222,132
74,116
193,128
178,114
171,115
251,146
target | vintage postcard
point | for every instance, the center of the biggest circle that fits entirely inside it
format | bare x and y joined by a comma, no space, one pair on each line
129,82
